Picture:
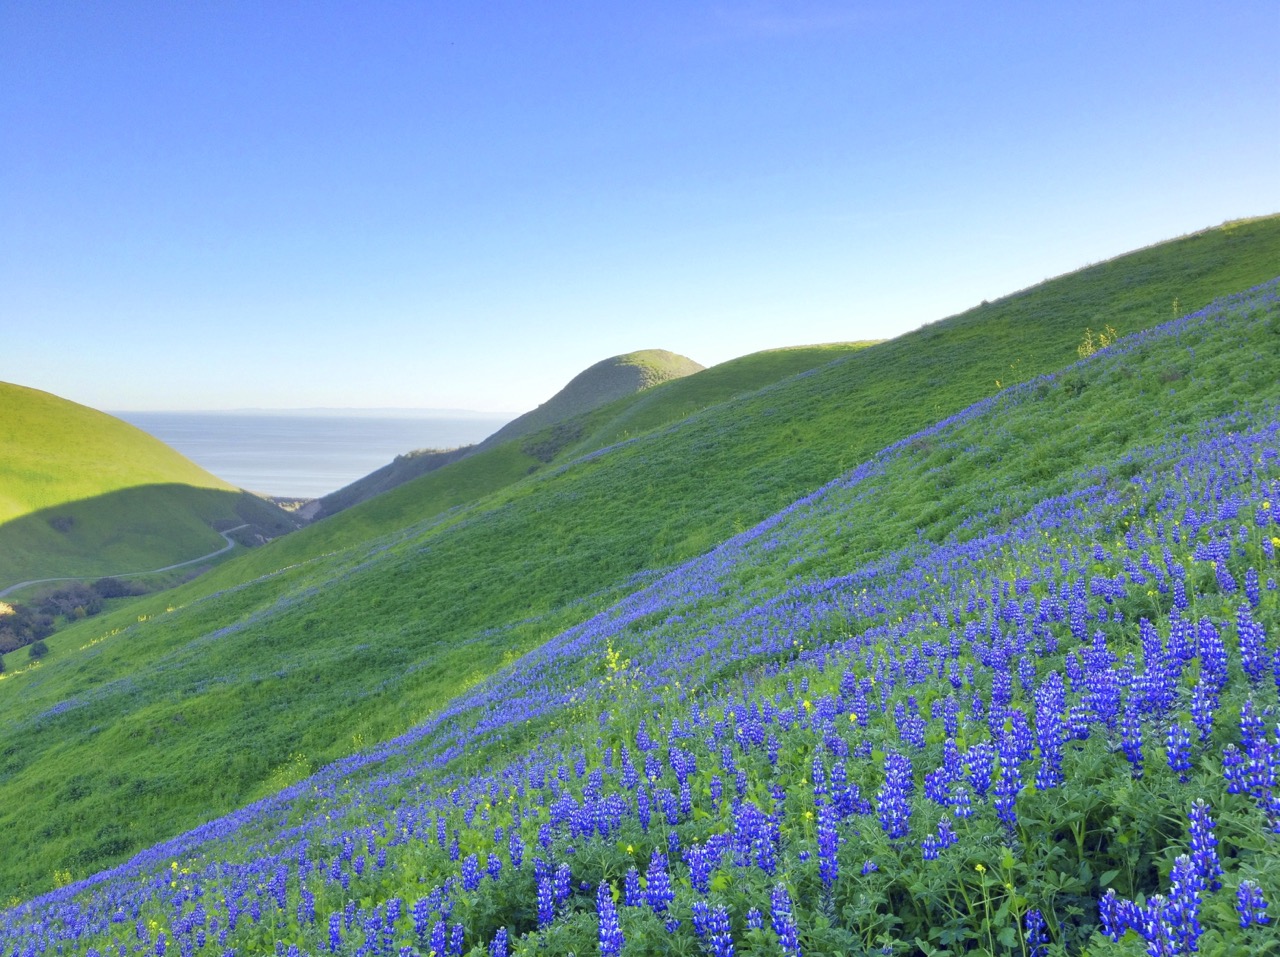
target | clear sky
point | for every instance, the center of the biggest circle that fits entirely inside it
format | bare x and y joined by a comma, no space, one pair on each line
211,205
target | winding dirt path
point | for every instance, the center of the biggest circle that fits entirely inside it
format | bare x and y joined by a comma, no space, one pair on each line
225,548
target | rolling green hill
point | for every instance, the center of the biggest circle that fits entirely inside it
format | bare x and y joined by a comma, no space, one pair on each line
362,625
555,421
485,471
85,494
598,385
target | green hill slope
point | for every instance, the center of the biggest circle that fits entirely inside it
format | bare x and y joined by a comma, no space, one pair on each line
845,651
85,494
612,379
472,474
595,386
362,625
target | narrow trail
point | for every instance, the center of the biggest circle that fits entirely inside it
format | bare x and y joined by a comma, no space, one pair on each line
191,561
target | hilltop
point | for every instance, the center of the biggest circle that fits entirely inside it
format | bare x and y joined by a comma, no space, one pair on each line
84,494
362,626
506,463
606,381
1001,685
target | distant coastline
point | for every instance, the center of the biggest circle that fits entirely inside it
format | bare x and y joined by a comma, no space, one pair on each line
306,453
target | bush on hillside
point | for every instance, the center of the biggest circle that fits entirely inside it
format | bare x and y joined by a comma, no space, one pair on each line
37,650
73,601
117,588
21,626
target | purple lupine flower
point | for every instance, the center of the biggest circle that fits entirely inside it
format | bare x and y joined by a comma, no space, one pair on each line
561,883
784,922
439,938
1204,702
1204,854
894,805
720,933
828,843
611,939
1009,785
546,894
1113,915
1233,770
306,907
1254,657
1260,772
1252,589
1183,913
471,872
1152,923
1251,905
1037,934
498,946
334,932
1051,702
700,861
1178,750
701,918
422,909
658,893
755,920
515,847
1252,728
1213,655
1226,581
631,894
1131,740
980,759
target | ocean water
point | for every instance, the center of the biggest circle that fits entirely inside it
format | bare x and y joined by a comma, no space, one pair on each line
303,455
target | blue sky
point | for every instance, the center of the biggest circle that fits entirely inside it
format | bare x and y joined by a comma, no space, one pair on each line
220,205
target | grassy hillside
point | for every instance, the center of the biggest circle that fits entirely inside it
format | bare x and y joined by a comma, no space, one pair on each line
595,386
942,704
551,425
476,473
361,626
83,493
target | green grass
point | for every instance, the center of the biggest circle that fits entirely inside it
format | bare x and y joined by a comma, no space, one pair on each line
53,451
551,425
360,626
486,471
83,493
606,381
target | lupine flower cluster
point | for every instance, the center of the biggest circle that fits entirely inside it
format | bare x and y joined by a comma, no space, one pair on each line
783,768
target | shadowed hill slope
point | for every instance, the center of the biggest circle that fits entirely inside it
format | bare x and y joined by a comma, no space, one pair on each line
83,493
363,625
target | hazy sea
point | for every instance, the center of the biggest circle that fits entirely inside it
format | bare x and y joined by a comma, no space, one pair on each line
304,455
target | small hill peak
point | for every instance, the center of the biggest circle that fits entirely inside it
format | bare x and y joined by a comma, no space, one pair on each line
604,382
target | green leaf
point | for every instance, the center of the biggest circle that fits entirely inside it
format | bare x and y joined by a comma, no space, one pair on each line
1008,937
